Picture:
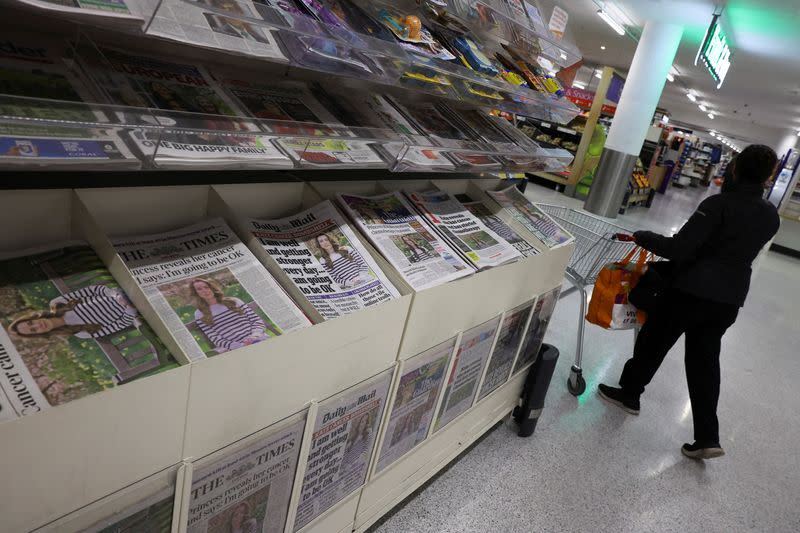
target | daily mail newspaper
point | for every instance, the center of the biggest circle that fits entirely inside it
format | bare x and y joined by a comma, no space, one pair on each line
248,490
462,385
496,224
509,339
36,68
464,231
341,447
534,219
542,312
415,402
324,258
151,515
67,330
208,288
421,258
219,24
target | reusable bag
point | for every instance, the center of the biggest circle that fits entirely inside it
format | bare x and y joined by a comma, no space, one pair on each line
609,307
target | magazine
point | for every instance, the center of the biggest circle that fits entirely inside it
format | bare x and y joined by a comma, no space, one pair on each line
208,288
151,515
542,312
414,402
68,330
464,231
470,360
509,340
494,222
248,489
534,219
35,69
388,220
218,24
324,258
342,445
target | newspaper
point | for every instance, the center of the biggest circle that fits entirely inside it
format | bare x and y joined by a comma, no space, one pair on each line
208,288
422,259
331,152
68,330
341,447
534,219
151,515
6,410
34,68
324,258
542,312
220,24
462,384
509,339
248,490
494,223
415,402
464,231
125,13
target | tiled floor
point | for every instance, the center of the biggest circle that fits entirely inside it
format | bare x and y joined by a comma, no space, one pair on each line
591,468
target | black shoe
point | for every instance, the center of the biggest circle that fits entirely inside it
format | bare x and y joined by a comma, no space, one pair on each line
626,402
702,451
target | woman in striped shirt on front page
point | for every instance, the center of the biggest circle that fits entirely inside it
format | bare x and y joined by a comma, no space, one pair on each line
227,322
345,266
89,313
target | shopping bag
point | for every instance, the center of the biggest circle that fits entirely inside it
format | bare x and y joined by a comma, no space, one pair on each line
652,285
609,307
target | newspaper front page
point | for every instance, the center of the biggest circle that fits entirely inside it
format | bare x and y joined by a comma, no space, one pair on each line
534,219
463,230
324,258
462,385
344,437
208,288
68,330
422,259
415,402
494,222
151,515
249,489
542,312
124,13
509,339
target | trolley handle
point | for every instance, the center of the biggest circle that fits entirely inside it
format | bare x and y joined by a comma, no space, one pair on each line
624,237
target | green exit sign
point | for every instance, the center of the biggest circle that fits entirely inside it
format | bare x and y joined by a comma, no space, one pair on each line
715,52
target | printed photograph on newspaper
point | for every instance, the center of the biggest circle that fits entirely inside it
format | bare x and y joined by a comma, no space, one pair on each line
540,319
494,222
68,329
248,488
341,448
325,260
534,219
509,339
414,402
209,289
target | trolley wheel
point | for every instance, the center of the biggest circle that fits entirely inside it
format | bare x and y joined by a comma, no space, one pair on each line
576,384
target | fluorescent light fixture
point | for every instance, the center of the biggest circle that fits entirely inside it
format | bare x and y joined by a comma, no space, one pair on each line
617,27
602,47
690,95
598,74
670,77
711,116
665,120
703,108
798,133
713,135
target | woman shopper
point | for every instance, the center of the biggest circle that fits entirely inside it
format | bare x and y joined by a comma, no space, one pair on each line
711,258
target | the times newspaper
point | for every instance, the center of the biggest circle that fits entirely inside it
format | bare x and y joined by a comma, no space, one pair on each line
324,258
462,385
344,437
208,288
219,24
36,68
405,240
248,489
534,219
542,312
152,514
509,339
415,402
494,222
464,231
68,330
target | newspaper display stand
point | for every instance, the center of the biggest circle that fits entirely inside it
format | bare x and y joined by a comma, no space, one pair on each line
102,438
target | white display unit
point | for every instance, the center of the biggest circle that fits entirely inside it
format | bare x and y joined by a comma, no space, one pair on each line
65,461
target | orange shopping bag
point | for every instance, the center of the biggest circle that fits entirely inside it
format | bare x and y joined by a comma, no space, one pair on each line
609,307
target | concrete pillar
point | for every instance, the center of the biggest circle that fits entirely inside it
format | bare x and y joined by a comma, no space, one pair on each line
646,78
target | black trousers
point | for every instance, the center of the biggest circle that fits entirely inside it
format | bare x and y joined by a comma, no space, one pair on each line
704,322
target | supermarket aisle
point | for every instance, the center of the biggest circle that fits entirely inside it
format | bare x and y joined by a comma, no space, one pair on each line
590,467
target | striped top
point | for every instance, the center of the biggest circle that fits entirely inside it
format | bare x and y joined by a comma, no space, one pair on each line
342,270
228,328
353,454
97,305
419,254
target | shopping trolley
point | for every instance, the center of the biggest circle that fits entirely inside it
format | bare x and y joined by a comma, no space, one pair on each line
597,243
